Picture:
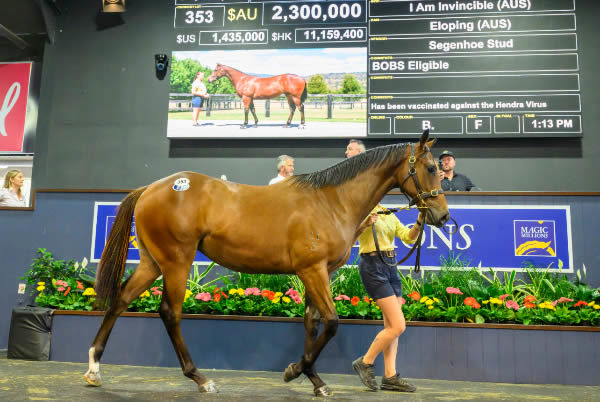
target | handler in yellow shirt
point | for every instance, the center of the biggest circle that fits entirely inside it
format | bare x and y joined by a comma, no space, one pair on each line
383,284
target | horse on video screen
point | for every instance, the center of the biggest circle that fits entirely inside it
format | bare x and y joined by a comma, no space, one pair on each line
249,87
305,225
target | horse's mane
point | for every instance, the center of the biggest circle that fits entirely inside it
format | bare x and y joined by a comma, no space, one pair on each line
348,169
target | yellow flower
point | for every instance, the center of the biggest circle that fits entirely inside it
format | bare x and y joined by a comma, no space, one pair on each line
89,292
377,307
278,294
286,299
275,299
430,307
232,291
40,288
188,293
373,303
494,300
485,301
41,283
424,299
591,304
436,300
145,294
547,305
240,292
596,306
429,302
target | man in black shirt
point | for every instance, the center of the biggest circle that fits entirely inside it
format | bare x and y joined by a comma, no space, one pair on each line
452,180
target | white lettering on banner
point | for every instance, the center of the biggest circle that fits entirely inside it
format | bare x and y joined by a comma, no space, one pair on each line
7,105
465,236
462,232
535,232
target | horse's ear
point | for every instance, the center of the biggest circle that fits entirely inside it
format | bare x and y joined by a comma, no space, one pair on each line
424,137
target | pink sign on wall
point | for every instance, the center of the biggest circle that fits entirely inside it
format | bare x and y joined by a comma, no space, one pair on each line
14,93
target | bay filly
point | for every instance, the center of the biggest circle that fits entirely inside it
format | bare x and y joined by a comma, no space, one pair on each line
305,225
249,87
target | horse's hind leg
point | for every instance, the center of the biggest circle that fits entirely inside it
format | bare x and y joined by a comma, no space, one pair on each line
175,277
246,101
145,273
292,106
316,282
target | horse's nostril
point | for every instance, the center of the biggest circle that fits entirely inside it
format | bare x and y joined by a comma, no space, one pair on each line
445,218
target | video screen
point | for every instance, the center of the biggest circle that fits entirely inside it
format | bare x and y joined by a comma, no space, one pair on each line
382,69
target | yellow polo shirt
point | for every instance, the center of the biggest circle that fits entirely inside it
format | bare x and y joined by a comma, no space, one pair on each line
387,227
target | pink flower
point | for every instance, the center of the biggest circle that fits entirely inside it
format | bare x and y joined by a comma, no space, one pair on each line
503,297
291,292
61,288
296,299
155,291
512,304
454,291
252,291
342,297
564,300
60,282
554,303
402,301
204,296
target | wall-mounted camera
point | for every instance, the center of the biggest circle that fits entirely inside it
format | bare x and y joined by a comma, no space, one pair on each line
161,62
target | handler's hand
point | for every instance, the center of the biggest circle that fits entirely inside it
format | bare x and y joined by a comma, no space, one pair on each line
371,219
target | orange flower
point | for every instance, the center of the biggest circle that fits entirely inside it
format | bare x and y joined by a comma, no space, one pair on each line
366,299
79,285
529,299
414,295
271,295
265,293
471,301
580,303
217,297
529,305
355,301
67,291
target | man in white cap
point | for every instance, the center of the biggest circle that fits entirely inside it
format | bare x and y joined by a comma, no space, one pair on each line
452,180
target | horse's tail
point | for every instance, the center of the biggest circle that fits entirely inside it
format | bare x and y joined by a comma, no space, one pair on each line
304,94
112,263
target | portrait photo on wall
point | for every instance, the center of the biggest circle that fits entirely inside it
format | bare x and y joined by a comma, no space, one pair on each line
290,93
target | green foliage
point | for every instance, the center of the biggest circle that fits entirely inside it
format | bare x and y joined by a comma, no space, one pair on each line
317,85
350,85
184,71
457,293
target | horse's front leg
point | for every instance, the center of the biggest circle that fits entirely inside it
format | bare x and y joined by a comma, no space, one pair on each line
292,109
246,101
253,114
319,306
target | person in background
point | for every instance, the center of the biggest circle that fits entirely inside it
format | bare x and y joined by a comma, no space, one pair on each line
285,166
354,147
11,194
198,95
380,278
453,181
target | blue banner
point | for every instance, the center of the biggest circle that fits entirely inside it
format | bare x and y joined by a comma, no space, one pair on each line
503,237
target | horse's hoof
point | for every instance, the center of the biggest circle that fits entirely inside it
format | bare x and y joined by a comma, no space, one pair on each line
323,391
242,127
290,373
208,387
93,379
301,127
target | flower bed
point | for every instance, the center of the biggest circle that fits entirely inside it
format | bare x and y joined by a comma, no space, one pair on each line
455,294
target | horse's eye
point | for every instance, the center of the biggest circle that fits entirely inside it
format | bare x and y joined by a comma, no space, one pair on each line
431,169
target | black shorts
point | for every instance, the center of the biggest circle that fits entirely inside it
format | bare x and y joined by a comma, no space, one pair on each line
379,279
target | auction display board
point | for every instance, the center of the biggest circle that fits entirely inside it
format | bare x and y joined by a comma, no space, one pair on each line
464,68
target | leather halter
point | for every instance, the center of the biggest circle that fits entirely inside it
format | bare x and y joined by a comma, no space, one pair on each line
418,200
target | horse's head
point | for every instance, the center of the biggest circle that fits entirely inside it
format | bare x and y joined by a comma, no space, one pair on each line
218,72
418,179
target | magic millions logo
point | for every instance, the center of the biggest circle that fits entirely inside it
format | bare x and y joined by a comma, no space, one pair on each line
535,238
